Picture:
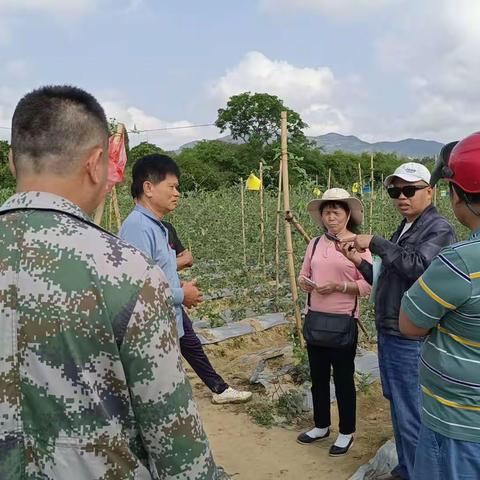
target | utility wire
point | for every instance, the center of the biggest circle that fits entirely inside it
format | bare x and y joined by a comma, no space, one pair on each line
135,130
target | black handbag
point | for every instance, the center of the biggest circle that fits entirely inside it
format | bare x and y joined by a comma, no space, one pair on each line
331,330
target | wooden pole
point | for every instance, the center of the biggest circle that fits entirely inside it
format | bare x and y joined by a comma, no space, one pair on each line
382,188
329,184
277,229
290,217
244,239
435,196
110,211
360,180
116,208
371,192
100,209
262,221
288,230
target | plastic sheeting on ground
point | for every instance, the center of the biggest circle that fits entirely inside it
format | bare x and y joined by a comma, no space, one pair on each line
243,327
383,462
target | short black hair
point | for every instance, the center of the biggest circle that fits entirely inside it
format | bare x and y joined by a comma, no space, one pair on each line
351,225
53,126
152,168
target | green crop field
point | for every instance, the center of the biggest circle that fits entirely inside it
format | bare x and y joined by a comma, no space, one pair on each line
210,224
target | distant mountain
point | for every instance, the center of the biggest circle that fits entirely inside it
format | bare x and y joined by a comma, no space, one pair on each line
410,147
331,142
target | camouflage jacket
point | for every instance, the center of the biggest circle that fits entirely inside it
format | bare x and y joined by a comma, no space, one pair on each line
91,380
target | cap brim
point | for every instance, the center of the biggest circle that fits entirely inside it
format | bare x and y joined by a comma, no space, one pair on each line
403,176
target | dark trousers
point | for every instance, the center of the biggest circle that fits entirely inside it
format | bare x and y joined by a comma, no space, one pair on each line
321,362
192,351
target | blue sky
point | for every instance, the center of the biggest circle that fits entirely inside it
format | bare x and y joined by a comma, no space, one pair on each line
379,69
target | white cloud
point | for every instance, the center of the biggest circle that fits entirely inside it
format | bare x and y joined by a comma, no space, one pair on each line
336,8
441,64
179,133
56,7
309,91
298,86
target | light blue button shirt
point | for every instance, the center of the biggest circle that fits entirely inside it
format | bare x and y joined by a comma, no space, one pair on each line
145,231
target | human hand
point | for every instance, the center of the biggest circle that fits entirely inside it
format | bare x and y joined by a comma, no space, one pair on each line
304,285
184,260
327,288
349,251
192,296
360,242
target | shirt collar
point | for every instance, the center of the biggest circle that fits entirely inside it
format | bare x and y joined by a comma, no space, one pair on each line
43,201
148,213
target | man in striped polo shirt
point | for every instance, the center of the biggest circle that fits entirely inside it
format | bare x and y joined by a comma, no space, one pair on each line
445,303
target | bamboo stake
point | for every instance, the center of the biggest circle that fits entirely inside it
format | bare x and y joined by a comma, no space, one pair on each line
290,217
100,209
329,184
110,216
116,208
288,230
360,180
244,239
371,192
262,221
277,230
382,188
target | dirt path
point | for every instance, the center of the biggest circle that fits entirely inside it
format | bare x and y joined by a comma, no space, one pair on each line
250,452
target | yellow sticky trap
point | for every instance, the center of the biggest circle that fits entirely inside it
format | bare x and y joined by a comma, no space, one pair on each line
355,187
253,182
317,192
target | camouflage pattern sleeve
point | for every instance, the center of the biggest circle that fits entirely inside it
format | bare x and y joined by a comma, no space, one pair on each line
161,395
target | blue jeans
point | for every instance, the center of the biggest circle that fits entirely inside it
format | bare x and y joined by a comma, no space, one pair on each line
443,458
398,360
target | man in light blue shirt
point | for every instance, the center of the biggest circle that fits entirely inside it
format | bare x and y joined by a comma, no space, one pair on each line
157,196
155,191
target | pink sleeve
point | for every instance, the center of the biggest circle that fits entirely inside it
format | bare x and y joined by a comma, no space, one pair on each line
305,270
363,286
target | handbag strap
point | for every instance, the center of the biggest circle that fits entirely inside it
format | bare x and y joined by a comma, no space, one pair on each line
315,243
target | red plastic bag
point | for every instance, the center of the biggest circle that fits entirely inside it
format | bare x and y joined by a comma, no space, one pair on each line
117,159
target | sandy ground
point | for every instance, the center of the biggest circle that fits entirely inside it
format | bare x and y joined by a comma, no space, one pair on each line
250,452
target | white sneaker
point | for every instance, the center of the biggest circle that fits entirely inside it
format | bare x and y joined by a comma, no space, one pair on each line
230,395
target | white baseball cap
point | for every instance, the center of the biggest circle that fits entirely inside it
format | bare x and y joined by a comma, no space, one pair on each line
410,172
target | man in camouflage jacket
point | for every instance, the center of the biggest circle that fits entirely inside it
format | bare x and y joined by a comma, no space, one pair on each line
91,382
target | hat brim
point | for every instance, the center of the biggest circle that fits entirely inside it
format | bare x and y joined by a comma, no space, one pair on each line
354,204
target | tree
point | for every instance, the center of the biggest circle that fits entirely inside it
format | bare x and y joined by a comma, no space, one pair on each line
209,165
142,149
255,119
4,148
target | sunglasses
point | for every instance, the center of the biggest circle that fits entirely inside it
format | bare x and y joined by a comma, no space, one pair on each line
409,190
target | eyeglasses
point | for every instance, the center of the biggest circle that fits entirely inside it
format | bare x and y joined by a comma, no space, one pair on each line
409,190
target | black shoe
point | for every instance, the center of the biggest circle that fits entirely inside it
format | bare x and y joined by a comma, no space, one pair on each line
305,439
339,451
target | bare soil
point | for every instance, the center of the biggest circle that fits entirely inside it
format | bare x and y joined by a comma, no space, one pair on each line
251,452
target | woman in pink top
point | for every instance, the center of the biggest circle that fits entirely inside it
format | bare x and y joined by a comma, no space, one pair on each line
338,283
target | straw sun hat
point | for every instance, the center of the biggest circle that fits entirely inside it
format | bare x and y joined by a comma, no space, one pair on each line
336,195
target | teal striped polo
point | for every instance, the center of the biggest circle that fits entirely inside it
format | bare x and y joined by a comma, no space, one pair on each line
446,298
